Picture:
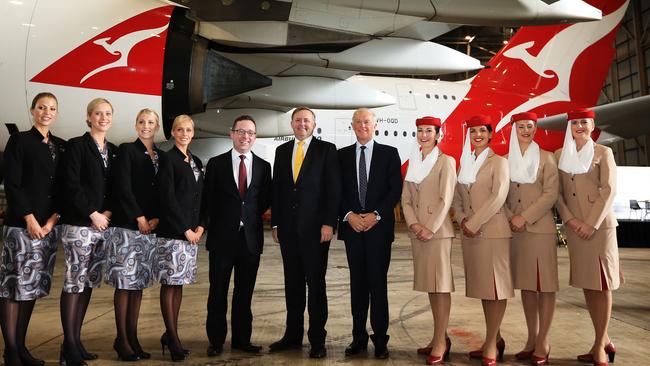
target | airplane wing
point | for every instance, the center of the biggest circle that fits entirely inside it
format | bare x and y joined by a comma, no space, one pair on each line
626,119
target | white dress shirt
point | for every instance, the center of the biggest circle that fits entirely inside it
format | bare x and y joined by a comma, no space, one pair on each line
248,162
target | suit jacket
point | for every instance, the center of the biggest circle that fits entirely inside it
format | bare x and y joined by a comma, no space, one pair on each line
313,200
589,196
180,194
223,209
136,185
383,193
32,179
483,202
428,203
534,201
88,185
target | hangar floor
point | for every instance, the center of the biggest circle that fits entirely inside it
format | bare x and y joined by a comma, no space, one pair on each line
410,326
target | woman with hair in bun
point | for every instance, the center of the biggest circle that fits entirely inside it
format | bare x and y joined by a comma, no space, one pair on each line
84,233
31,159
132,243
587,190
479,206
426,199
181,185
533,192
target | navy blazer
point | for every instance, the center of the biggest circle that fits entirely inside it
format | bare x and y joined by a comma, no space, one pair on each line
180,195
32,177
136,185
223,208
88,186
313,200
384,190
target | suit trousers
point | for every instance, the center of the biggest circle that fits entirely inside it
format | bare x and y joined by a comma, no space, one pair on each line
245,266
368,261
305,262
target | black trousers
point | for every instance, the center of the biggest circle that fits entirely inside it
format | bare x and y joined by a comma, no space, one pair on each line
245,265
305,262
368,261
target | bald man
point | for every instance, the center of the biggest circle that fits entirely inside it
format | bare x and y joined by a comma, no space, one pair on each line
371,186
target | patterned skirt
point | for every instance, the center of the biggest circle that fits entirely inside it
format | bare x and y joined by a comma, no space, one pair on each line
129,259
175,262
26,265
85,256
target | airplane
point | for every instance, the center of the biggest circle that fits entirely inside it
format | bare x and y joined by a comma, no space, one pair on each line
152,53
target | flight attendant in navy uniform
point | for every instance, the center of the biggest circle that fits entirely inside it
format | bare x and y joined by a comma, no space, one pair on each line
479,201
84,233
132,243
181,184
587,190
533,192
31,160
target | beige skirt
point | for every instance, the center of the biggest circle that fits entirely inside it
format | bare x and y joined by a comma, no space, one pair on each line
534,261
432,266
589,257
487,268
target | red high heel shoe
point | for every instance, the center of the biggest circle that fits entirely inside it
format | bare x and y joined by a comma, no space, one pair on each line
488,361
435,360
610,349
501,346
424,350
427,350
536,360
524,355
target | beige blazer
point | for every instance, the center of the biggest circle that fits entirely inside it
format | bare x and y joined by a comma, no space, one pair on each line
483,202
589,196
534,201
428,203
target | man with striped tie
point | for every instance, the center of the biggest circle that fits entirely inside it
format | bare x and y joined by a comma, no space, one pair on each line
371,187
306,193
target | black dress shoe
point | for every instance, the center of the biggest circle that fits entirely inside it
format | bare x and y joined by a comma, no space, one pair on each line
215,350
381,352
317,352
356,347
248,348
283,345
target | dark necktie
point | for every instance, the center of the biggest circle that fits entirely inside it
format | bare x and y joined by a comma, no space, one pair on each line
242,177
363,178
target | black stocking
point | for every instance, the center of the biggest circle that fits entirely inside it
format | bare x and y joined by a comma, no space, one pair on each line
9,323
121,304
84,300
135,298
168,294
24,316
69,313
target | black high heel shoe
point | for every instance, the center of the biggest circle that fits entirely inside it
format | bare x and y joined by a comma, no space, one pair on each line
26,359
85,354
176,356
124,356
65,360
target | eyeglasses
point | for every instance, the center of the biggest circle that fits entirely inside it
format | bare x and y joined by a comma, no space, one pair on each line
241,132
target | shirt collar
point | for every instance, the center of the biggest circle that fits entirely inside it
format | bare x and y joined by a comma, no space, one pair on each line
369,145
235,155
38,134
306,141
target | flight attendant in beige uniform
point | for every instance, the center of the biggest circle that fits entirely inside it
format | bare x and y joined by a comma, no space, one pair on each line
533,192
426,199
587,190
479,206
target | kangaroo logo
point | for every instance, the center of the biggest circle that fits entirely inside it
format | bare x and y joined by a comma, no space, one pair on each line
122,46
550,63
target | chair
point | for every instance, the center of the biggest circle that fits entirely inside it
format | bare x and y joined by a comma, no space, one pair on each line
634,207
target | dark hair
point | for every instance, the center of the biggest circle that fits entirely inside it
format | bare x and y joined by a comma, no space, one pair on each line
43,95
243,117
300,109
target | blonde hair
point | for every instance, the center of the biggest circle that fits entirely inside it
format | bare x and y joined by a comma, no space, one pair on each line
148,111
93,104
182,118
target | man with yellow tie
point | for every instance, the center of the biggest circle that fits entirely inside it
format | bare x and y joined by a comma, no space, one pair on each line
306,193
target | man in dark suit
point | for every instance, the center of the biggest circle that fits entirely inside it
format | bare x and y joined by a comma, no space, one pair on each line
237,192
371,187
306,192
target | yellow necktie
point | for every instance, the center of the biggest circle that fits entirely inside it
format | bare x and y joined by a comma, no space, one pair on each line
297,162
